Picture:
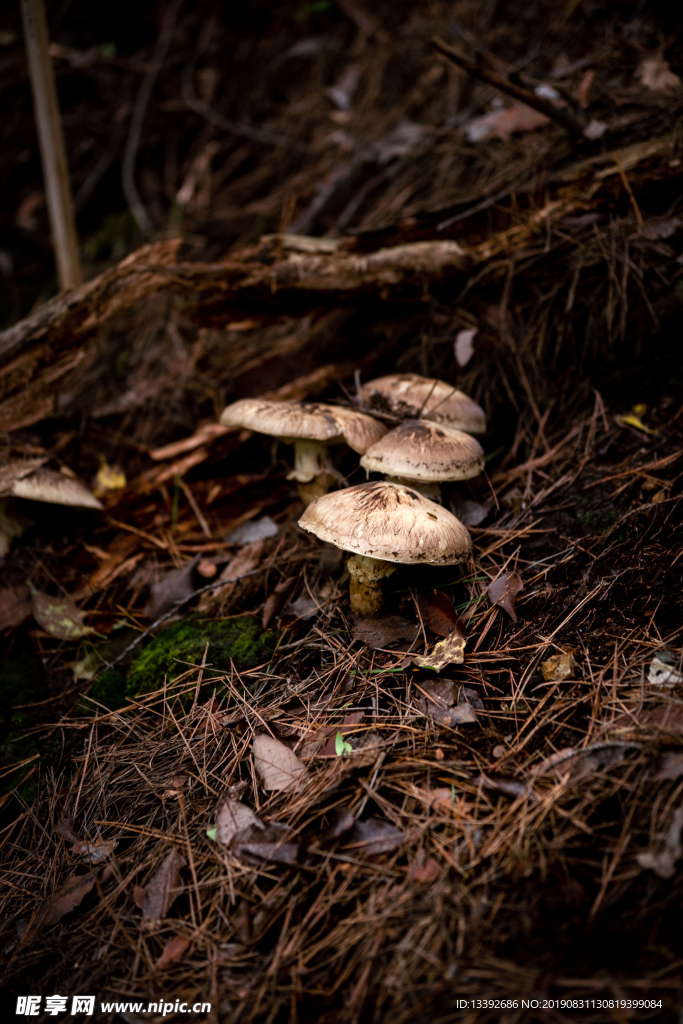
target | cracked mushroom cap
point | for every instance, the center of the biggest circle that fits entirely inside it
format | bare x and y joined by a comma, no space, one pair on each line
312,421
425,451
390,522
410,396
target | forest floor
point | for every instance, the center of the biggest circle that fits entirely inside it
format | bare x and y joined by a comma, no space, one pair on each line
505,829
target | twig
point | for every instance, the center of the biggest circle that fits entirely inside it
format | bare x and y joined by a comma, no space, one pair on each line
520,92
52,148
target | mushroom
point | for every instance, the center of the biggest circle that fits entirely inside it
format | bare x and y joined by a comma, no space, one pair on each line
422,454
28,478
409,396
384,523
311,427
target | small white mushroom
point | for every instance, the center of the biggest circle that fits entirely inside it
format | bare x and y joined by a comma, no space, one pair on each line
311,427
399,525
423,455
410,396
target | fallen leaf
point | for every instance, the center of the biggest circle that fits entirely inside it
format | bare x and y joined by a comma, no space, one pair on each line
343,823
447,703
348,725
279,767
163,888
427,872
662,671
232,818
575,765
15,606
504,590
373,837
303,608
172,589
450,651
244,562
109,478
66,899
559,666
252,531
504,784
275,842
440,798
379,634
58,616
501,124
464,346
667,719
655,74
663,861
437,612
631,420
65,829
94,852
671,768
470,513
584,88
173,950
275,600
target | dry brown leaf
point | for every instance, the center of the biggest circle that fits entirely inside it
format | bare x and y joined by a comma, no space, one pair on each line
93,853
373,837
173,950
504,784
655,74
274,842
663,861
66,899
671,767
559,666
65,829
15,606
447,703
343,823
378,634
234,817
501,124
437,612
347,726
427,872
174,587
504,590
163,888
279,767
58,616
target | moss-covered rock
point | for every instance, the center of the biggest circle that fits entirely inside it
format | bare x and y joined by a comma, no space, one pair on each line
239,640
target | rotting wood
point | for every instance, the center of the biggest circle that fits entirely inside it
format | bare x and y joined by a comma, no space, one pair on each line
38,353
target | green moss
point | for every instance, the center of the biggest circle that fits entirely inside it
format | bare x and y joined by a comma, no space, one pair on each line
109,689
241,640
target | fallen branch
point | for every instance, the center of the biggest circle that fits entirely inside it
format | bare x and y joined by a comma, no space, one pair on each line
559,114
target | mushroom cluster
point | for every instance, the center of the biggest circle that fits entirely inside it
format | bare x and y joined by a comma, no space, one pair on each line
382,523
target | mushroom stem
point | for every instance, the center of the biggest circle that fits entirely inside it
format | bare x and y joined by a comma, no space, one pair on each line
366,586
313,470
428,490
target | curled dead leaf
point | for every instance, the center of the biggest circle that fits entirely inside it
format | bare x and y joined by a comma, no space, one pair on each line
504,590
373,837
173,950
450,651
95,852
274,842
66,899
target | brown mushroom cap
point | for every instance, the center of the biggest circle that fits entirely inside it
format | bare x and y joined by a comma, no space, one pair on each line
425,451
312,421
390,522
410,396
54,488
